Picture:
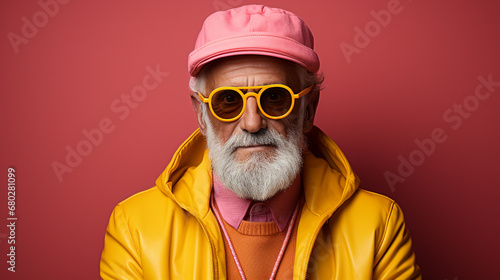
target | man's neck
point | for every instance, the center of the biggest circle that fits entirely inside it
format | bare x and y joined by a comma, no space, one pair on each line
279,208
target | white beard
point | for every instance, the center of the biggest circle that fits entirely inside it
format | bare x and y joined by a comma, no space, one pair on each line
260,176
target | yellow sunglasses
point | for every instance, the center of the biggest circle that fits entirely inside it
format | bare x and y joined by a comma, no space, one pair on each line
275,101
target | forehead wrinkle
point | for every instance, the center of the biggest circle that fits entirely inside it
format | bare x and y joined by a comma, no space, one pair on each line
247,71
257,78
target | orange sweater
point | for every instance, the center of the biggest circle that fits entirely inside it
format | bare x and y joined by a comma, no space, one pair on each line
257,246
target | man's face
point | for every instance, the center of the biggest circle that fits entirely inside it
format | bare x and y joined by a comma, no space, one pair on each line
253,156
252,71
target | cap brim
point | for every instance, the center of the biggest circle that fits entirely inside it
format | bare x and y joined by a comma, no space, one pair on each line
254,44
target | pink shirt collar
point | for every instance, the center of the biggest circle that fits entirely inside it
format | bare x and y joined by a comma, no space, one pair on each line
234,209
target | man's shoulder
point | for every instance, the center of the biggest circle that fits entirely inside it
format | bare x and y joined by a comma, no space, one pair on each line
376,203
370,209
372,199
147,196
149,202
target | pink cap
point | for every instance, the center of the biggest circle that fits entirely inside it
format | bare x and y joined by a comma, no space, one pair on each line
254,29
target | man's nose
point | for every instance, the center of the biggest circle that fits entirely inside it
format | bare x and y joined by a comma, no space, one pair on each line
252,119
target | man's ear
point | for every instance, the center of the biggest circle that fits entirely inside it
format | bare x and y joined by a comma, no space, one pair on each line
311,106
195,100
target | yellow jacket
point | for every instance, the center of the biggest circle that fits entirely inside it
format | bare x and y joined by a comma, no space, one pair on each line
170,232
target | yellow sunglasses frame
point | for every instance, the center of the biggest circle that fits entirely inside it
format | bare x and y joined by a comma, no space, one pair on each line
257,96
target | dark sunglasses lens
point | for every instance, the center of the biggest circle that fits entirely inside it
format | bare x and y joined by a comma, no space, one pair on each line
227,104
276,101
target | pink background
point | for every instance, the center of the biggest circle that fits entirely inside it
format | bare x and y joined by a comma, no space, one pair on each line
395,91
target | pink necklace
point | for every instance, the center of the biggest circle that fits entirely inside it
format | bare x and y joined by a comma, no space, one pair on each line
282,250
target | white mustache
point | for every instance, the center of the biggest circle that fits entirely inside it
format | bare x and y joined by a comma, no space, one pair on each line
263,137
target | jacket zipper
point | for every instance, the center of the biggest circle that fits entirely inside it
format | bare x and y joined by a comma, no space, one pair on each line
311,245
215,269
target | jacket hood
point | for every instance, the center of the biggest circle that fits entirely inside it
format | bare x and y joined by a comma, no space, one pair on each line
326,168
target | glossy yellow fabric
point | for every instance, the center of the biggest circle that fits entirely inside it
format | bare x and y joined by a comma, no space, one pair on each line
170,232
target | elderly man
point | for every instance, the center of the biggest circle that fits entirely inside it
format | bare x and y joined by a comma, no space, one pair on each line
258,192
